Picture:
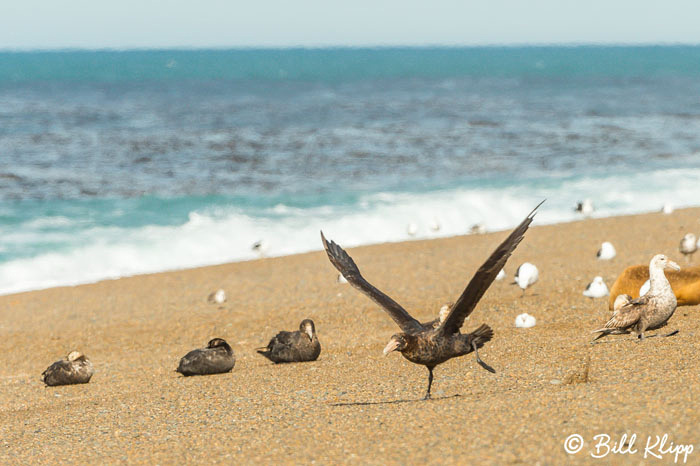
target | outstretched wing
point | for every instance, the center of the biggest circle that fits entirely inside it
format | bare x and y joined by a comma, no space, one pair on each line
346,266
483,277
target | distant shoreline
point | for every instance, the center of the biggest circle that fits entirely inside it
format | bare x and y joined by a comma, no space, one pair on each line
367,245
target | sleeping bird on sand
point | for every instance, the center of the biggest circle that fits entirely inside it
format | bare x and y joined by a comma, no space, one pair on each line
426,344
299,346
74,368
216,358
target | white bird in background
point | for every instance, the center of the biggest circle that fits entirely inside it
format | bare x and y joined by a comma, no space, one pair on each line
525,321
585,207
477,229
260,247
341,279
411,229
596,289
217,297
606,251
688,246
435,225
667,208
644,289
526,276
501,275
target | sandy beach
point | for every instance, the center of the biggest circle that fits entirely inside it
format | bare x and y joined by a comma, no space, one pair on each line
353,405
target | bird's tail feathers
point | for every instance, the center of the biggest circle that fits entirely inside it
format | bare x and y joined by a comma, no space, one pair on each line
481,335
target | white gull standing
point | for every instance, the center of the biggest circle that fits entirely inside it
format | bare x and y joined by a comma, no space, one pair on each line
526,276
688,246
585,207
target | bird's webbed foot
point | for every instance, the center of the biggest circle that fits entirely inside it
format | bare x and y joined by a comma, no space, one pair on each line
480,362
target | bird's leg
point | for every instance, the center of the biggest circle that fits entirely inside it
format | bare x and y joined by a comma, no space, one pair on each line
482,363
430,382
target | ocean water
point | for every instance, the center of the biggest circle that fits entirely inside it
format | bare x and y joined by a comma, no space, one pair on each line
117,163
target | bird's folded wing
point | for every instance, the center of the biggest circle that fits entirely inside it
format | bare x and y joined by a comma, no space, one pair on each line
628,314
347,267
483,278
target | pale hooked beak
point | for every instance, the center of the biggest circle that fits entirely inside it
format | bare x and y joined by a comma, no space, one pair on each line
393,344
673,265
309,332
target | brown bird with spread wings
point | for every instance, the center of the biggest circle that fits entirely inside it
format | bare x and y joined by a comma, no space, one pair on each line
427,344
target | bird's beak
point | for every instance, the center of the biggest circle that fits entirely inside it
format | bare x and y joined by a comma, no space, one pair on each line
310,333
393,344
673,265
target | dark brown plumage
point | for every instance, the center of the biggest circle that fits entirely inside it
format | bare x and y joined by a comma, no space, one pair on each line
216,358
74,368
428,344
299,346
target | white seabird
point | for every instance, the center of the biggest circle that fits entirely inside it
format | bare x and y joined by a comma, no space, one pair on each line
217,297
411,229
606,251
688,246
585,207
501,275
526,275
667,208
596,289
525,321
260,247
477,229
341,279
435,225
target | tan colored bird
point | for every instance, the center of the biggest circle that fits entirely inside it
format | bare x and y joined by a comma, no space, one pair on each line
648,312
74,368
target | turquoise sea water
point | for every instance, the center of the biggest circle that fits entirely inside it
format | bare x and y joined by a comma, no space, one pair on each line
120,162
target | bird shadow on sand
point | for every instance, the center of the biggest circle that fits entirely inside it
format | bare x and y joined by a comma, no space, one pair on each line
636,340
394,402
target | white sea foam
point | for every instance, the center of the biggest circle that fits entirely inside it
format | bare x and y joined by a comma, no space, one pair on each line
213,235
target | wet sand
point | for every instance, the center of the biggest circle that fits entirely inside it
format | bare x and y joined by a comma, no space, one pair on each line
353,405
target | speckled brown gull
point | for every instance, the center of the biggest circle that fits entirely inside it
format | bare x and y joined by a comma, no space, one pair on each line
74,368
423,343
647,312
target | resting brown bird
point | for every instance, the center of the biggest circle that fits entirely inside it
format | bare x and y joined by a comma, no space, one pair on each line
299,346
428,344
74,368
216,358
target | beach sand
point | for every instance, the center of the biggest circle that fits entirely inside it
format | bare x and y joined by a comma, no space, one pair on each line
353,405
